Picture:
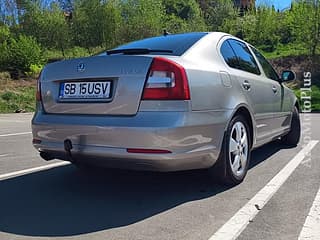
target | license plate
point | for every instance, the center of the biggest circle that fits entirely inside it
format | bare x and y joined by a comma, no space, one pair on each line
85,90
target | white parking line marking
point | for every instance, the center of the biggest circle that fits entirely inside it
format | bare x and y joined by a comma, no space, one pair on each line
4,155
13,121
236,224
14,134
32,170
311,227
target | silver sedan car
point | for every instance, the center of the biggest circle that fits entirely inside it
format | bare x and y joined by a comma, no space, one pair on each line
167,103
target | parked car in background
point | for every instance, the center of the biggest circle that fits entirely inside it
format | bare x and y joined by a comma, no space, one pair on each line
167,103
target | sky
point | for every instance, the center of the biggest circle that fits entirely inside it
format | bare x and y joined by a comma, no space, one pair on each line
279,4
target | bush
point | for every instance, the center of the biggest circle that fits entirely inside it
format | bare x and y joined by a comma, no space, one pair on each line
34,71
4,33
4,36
51,55
23,52
76,52
8,95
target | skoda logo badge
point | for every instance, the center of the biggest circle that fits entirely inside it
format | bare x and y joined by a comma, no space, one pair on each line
81,67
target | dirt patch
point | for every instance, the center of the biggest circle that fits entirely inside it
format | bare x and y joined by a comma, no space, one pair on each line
299,64
12,84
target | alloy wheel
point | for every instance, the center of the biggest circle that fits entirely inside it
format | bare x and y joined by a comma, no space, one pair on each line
238,149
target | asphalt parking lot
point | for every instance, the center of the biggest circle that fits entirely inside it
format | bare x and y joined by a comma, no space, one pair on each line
279,198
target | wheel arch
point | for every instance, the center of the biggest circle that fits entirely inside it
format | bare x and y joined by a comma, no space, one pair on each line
245,112
220,168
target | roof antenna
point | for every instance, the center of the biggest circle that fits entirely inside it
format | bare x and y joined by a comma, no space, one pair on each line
165,32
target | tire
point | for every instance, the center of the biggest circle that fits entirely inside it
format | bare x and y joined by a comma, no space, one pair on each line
232,165
293,136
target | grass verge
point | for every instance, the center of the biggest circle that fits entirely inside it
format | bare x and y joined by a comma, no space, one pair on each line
17,96
286,51
315,98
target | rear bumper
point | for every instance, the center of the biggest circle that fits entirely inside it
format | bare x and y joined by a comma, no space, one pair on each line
193,138
119,158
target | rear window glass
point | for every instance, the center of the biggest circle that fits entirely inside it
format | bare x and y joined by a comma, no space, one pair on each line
246,60
177,43
229,55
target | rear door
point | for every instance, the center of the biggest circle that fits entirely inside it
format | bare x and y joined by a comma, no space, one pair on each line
255,88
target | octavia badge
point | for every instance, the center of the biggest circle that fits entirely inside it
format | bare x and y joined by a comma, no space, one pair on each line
81,67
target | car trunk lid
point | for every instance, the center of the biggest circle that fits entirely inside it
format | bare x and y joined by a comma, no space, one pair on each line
110,85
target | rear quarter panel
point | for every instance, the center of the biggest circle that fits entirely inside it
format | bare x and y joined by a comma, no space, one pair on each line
213,88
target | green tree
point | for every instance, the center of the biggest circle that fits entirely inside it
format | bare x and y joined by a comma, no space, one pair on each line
183,16
140,19
217,12
96,23
47,25
259,27
111,22
4,33
305,20
286,25
4,39
58,33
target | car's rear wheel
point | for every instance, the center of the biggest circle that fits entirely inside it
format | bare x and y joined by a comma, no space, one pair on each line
293,136
232,165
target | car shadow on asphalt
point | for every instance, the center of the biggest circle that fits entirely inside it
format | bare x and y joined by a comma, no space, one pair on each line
259,155
65,201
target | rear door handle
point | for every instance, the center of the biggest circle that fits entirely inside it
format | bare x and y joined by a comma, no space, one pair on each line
274,89
246,85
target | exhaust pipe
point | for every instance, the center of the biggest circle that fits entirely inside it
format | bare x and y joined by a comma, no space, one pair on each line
67,148
46,156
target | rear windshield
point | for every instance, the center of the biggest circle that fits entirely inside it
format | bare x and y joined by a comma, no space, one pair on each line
177,43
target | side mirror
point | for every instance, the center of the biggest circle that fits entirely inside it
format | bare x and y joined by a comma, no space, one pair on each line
287,76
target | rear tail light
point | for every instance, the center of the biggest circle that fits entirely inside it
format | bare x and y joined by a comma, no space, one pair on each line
167,80
38,93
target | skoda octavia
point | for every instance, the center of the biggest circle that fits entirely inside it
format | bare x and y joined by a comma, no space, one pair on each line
167,103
